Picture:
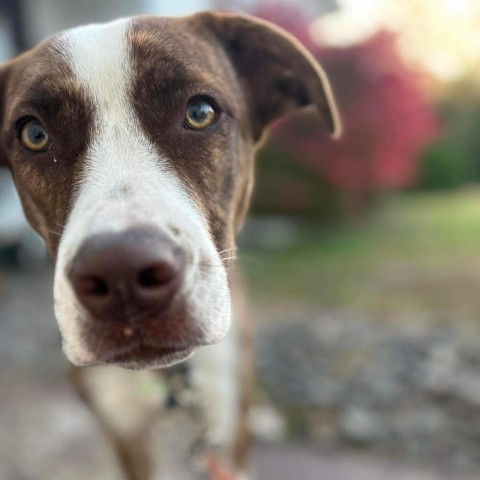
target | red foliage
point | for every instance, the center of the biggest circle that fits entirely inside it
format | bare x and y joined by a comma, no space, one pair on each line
386,118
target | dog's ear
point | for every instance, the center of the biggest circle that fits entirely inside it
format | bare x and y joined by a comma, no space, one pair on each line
277,70
4,72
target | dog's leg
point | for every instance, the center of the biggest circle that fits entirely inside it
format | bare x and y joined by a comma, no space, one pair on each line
127,405
246,383
223,378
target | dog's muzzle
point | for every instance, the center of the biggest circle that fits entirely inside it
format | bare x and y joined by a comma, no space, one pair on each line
130,287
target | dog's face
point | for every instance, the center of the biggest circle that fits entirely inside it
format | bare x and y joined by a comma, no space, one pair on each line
131,145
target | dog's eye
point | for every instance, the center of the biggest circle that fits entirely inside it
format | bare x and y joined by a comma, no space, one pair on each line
34,137
200,114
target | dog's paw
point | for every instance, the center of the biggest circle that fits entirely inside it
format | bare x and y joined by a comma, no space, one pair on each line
216,470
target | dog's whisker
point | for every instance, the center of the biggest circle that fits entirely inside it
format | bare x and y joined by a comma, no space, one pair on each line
60,224
229,258
233,249
213,265
53,232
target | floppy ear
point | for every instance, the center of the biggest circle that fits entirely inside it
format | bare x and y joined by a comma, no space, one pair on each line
278,72
3,87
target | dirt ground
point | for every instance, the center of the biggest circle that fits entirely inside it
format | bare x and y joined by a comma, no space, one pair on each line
46,434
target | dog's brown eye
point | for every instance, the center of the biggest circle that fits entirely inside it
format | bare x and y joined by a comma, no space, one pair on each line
200,114
34,137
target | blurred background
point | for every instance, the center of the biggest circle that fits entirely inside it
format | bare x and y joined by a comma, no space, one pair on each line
362,257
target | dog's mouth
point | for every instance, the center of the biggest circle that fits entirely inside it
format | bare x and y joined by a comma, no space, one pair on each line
147,356
149,341
151,316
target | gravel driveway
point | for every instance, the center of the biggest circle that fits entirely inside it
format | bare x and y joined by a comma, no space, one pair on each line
46,434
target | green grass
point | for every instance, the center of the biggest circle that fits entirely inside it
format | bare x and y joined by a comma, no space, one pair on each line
418,255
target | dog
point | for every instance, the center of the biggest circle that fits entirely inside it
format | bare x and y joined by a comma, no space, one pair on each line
132,148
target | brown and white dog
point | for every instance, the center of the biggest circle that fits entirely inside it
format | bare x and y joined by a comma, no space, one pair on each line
132,147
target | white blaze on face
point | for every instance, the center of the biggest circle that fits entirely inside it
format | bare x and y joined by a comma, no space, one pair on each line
126,183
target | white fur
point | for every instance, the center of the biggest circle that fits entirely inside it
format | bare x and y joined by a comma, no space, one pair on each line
126,183
127,401
215,377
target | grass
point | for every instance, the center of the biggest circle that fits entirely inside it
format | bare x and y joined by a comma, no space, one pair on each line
416,256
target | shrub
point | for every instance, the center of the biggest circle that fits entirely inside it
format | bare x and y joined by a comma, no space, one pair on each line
445,165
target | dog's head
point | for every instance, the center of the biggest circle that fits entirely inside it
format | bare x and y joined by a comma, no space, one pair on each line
131,145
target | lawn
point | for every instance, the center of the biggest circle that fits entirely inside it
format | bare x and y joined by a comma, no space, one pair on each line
415,258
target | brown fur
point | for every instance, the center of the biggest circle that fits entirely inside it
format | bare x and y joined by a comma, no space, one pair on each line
255,73
265,73
39,84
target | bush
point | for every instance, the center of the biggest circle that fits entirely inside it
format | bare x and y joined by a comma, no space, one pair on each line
285,186
445,165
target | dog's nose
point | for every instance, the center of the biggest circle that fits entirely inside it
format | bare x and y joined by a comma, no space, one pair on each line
135,271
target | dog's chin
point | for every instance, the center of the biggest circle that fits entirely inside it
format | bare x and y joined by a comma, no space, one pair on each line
138,357
142,340
149,358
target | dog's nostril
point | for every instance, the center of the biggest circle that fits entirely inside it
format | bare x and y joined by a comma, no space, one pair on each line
155,277
140,269
93,286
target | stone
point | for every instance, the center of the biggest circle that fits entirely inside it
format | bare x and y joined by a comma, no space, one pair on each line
360,425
